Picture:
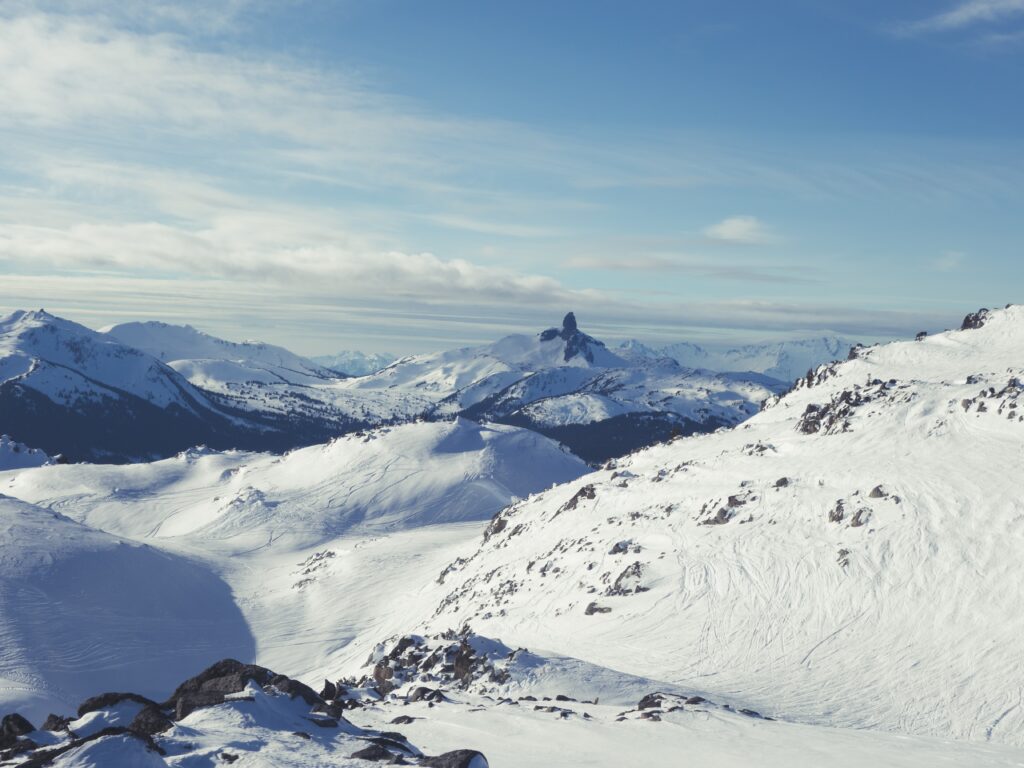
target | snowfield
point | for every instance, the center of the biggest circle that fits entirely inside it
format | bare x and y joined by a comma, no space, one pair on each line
15,455
317,545
82,610
850,556
834,582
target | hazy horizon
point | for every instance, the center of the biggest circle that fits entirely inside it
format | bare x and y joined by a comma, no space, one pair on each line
405,177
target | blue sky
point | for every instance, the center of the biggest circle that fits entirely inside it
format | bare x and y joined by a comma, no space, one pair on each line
402,176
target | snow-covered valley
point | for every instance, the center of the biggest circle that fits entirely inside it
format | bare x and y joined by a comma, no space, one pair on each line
831,582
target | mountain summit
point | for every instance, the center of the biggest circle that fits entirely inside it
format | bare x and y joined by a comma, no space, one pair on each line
576,342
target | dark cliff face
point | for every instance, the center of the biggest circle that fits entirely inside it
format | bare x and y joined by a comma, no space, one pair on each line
576,342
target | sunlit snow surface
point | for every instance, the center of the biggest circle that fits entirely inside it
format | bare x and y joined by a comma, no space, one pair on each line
880,631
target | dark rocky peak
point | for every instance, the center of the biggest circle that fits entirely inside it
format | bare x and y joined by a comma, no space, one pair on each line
576,342
975,320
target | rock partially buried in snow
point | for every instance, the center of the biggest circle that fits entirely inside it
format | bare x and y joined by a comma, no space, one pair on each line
244,707
460,758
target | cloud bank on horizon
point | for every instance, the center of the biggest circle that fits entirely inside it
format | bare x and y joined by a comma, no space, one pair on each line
337,175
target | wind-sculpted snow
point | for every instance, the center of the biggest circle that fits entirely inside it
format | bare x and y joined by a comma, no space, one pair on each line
850,556
81,609
324,545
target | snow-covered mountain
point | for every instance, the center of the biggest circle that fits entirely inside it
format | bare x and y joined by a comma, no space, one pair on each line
785,360
849,556
67,389
570,386
125,394
148,390
173,343
288,393
355,363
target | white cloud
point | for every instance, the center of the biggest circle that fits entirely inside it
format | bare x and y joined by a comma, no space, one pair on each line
742,230
967,13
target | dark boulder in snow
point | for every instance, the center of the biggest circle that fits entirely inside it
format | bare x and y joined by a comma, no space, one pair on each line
376,753
56,723
151,721
15,725
974,320
229,676
460,758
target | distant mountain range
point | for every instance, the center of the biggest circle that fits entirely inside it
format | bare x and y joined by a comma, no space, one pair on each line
785,360
138,391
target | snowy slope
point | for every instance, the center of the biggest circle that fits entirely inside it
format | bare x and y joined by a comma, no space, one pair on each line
785,360
69,363
15,455
326,542
849,556
67,389
263,381
81,609
720,565
172,343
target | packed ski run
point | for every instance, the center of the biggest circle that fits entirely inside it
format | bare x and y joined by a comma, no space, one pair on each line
830,582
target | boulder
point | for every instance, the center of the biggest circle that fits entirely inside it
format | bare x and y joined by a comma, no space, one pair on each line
460,758
150,721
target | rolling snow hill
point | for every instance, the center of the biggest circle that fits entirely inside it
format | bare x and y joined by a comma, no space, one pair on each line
81,610
850,556
172,343
15,455
318,546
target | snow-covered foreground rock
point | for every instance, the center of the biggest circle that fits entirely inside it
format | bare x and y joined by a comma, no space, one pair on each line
229,713
851,556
